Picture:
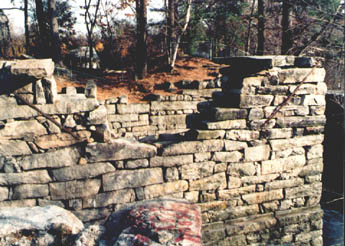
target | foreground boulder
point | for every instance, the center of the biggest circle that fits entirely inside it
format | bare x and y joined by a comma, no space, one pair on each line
156,223
50,225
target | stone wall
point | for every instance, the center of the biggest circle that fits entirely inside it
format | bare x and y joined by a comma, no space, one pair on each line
256,181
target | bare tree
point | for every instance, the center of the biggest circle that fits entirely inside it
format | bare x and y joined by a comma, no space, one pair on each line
90,22
171,28
179,33
141,12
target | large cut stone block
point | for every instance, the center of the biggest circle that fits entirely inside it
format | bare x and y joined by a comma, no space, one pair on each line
33,177
247,101
61,139
82,171
74,189
197,170
138,108
217,181
158,190
119,149
109,198
265,196
222,114
234,156
259,153
20,129
242,135
14,148
132,178
170,161
282,144
193,147
37,68
59,158
305,121
176,105
30,191
295,75
284,164
222,125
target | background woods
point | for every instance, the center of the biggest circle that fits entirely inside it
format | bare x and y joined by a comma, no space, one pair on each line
121,34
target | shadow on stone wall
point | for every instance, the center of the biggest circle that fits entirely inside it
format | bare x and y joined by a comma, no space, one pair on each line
333,153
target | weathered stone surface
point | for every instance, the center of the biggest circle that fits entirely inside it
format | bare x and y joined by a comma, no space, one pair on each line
30,191
165,120
14,148
287,111
18,203
314,100
35,68
20,129
278,133
247,101
98,116
50,89
17,220
242,135
156,223
315,151
259,179
223,114
82,171
281,184
123,117
265,196
68,105
60,158
131,179
190,147
39,93
61,139
205,134
197,170
170,161
133,108
281,144
216,181
314,189
33,177
177,105
280,165
293,101
273,90
109,198
294,75
306,89
301,121
234,145
74,189
119,149
313,167
241,169
91,236
137,163
259,153
256,114
3,193
158,190
223,125
234,156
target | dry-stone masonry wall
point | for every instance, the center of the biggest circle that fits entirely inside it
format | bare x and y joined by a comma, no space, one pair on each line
257,182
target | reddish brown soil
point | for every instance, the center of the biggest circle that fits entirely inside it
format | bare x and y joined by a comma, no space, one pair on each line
187,68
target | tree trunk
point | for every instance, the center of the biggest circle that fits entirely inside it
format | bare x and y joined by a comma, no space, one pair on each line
41,27
286,28
26,26
183,30
246,48
141,9
171,28
261,27
54,26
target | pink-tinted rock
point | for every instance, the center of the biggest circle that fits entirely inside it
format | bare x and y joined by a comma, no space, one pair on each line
159,222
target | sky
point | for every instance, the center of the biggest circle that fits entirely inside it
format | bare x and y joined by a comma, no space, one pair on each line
16,17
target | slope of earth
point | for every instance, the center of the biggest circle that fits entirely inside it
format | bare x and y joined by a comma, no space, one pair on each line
112,84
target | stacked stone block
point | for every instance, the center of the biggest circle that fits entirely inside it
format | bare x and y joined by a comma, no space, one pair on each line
255,184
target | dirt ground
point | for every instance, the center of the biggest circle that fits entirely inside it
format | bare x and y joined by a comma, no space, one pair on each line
113,85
